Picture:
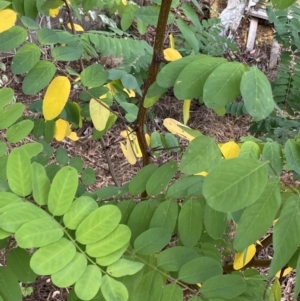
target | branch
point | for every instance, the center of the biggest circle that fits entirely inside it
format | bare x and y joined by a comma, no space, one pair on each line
153,70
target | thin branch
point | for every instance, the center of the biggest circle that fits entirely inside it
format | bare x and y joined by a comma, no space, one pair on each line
157,57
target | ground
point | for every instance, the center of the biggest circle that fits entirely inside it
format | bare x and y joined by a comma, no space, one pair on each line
222,129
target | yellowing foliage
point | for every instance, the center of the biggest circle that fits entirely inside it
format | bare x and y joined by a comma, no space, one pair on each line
171,54
242,258
202,173
172,126
53,12
76,26
56,97
128,152
99,113
285,272
186,110
230,150
62,130
8,19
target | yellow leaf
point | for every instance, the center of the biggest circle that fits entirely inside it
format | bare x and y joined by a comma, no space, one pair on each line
285,272
172,54
172,126
230,150
186,110
242,258
99,114
147,139
202,173
76,26
128,152
61,128
172,41
56,97
110,87
73,136
53,12
130,92
124,2
259,243
8,19
136,148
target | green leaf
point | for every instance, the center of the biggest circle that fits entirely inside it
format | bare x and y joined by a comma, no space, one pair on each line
258,217
174,258
126,207
152,241
282,4
77,163
25,58
61,156
215,222
53,258
190,12
165,216
168,74
10,114
19,131
18,261
88,176
223,286
188,34
150,287
112,257
172,292
199,270
161,177
79,210
16,214
128,16
32,149
180,188
257,94
190,223
38,233
19,173
272,152
234,184
30,9
38,77
249,149
29,23
12,38
47,36
66,53
223,85
98,224
111,243
129,81
7,198
87,286
113,290
149,15
62,190
6,96
292,154
4,4
286,234
71,272
138,183
190,82
140,218
297,285
9,285
94,76
274,292
124,267
202,154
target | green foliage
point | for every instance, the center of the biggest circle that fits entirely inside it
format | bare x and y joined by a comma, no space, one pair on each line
111,244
